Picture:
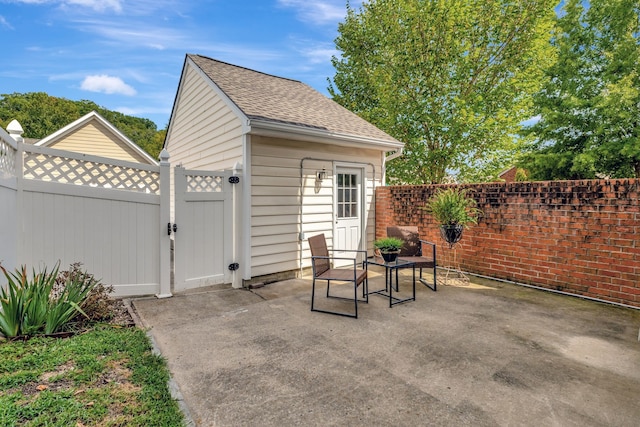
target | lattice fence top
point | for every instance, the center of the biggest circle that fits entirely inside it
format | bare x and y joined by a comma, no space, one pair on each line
53,168
7,159
205,184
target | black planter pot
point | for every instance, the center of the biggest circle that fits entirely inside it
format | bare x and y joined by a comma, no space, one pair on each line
389,256
451,233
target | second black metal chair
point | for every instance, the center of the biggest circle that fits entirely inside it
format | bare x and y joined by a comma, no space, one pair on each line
420,252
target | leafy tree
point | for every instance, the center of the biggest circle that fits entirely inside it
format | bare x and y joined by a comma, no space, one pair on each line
452,79
590,105
41,115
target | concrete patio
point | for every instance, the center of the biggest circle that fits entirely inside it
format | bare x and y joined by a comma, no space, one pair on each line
485,354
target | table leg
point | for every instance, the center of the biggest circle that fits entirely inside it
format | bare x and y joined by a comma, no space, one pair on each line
397,283
390,287
414,282
386,279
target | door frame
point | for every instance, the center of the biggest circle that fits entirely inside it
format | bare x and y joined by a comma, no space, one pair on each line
361,199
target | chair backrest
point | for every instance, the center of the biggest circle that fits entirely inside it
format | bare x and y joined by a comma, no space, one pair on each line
318,246
410,236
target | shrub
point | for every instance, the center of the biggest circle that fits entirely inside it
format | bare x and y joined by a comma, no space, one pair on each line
98,305
36,305
521,175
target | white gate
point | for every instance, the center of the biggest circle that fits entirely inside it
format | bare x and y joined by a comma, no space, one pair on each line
203,228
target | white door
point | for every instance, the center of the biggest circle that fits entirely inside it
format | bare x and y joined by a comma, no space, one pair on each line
203,246
348,210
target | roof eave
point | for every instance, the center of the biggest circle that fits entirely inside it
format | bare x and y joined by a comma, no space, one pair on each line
301,133
76,124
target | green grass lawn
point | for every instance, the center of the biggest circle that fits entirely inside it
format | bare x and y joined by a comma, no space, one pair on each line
107,377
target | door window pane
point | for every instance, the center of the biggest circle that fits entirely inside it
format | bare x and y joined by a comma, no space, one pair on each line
347,195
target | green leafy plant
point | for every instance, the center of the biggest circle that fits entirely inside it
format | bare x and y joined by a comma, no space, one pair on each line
67,305
30,305
521,175
453,206
388,244
98,305
12,299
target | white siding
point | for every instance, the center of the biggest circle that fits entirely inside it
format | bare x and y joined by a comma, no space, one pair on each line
205,133
95,139
276,210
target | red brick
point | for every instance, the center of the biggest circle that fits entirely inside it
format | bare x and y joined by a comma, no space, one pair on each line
530,236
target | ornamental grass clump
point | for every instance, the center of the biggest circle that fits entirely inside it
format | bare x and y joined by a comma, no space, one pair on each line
36,305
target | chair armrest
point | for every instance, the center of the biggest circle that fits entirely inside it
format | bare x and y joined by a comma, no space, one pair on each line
347,250
433,248
331,258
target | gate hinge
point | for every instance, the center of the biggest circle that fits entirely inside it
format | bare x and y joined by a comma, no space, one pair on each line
169,228
234,179
234,266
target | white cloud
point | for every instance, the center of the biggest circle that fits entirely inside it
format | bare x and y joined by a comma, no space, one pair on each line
320,55
97,5
138,34
318,12
4,23
107,84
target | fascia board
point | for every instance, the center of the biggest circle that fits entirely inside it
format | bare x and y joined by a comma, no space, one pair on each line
288,131
125,139
45,142
228,102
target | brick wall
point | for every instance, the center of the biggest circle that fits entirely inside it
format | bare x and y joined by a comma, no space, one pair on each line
580,237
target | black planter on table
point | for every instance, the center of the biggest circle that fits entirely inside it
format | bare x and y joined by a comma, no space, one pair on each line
389,256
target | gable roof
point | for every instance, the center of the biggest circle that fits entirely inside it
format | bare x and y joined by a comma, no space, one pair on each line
283,104
86,119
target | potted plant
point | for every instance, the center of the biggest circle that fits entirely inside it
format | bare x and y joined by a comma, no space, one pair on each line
454,210
389,247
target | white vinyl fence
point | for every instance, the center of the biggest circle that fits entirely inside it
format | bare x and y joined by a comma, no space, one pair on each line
8,201
109,215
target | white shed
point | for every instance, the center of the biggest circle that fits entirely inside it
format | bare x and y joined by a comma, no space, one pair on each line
306,164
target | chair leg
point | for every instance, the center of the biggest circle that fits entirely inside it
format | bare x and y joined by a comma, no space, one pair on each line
355,299
424,282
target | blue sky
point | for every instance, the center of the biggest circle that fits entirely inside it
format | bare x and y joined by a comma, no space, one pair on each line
127,55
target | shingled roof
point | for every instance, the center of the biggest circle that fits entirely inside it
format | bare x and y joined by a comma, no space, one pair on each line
267,98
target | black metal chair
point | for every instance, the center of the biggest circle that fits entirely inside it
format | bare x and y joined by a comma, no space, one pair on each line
323,269
420,252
